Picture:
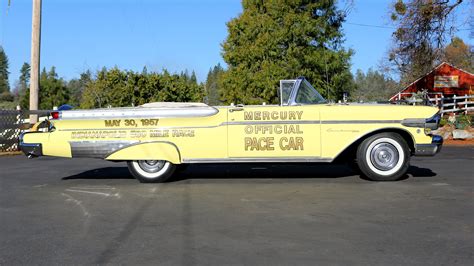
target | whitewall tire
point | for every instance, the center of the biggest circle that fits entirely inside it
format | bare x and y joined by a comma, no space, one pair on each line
384,157
151,171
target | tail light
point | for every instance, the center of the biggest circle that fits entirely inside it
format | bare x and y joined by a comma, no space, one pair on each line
55,115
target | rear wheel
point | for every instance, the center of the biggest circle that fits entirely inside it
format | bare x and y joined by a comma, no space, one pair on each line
151,171
384,157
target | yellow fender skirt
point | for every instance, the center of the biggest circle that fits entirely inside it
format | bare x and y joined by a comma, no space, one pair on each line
148,151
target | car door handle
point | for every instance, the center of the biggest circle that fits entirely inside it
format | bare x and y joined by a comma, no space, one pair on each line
236,109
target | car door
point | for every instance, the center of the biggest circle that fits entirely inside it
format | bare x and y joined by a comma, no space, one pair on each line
272,133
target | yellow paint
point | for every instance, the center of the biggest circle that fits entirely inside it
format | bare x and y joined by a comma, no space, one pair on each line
321,131
147,151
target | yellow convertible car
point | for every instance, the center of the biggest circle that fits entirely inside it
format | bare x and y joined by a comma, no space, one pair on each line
156,138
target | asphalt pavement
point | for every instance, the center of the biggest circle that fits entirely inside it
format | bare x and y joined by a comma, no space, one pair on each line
86,211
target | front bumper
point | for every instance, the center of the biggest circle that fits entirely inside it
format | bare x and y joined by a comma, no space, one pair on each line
429,149
30,149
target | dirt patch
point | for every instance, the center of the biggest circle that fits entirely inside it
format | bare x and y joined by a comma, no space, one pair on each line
10,153
459,142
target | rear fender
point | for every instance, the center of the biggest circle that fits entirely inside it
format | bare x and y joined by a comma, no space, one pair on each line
159,150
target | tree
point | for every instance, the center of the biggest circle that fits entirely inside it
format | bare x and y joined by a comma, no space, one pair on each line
77,87
460,54
213,82
120,88
53,91
373,86
22,90
418,41
273,40
4,85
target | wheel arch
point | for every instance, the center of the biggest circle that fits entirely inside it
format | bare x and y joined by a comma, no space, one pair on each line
351,150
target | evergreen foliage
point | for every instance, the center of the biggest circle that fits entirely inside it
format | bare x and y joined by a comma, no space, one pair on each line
273,40
4,85
24,86
53,90
77,87
213,85
373,86
118,88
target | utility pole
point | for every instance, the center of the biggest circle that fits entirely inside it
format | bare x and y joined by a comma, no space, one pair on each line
35,59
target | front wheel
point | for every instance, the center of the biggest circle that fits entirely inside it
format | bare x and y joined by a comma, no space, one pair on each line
151,171
384,157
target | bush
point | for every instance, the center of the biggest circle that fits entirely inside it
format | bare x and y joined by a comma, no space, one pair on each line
443,122
463,121
8,106
6,97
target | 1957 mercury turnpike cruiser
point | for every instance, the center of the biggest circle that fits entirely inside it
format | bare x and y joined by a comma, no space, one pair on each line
156,138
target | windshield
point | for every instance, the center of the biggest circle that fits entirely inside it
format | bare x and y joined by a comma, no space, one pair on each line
286,86
308,95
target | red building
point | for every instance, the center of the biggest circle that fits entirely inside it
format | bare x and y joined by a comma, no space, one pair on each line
444,80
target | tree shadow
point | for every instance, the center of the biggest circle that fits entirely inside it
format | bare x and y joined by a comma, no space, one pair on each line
102,173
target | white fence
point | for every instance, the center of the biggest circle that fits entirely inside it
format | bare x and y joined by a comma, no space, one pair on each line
455,104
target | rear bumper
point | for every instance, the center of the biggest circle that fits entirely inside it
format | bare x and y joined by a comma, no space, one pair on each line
30,149
429,149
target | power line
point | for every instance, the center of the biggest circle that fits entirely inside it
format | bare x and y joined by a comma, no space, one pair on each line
368,25
384,27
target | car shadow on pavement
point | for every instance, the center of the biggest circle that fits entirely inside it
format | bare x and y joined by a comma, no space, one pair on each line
246,171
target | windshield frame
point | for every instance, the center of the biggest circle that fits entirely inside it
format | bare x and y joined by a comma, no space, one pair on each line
296,89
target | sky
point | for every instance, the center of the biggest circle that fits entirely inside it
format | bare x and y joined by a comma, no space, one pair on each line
174,34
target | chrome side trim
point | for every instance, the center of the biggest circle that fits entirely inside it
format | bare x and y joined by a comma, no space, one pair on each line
419,122
291,122
154,112
361,122
260,160
96,149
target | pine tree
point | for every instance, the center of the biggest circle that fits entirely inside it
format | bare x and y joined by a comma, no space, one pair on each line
24,86
53,91
273,40
213,84
4,85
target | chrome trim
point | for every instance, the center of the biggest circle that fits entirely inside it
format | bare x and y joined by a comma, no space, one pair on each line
420,123
361,121
260,160
429,149
31,150
414,122
154,112
97,149
285,122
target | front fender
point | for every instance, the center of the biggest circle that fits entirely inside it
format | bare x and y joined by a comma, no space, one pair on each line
159,150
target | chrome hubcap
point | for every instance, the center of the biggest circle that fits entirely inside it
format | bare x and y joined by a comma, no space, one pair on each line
384,156
151,166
